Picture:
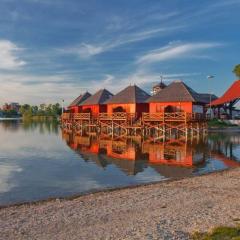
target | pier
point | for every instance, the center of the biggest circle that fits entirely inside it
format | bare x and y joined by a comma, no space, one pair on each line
157,126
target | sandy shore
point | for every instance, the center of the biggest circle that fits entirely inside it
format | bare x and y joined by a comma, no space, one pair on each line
168,210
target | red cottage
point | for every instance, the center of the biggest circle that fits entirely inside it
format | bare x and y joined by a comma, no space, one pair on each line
96,103
178,97
131,100
75,107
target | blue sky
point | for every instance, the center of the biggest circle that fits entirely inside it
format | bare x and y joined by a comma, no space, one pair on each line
56,49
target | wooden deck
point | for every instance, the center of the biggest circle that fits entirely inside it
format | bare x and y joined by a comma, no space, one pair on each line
124,124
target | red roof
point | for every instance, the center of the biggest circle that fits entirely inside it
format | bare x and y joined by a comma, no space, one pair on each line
231,94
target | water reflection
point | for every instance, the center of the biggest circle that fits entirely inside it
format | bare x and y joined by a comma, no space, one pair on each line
38,160
172,159
43,127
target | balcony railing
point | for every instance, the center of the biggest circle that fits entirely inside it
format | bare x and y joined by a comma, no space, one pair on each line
81,116
117,116
176,116
122,116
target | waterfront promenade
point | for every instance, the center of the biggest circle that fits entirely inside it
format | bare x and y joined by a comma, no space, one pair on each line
166,210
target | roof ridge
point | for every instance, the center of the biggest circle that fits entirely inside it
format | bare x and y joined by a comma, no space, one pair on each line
187,89
97,97
135,93
129,95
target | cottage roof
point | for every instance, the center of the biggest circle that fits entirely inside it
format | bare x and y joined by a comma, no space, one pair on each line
80,99
131,94
232,94
178,91
207,96
98,98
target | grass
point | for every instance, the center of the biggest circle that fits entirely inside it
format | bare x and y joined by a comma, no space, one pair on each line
220,233
219,123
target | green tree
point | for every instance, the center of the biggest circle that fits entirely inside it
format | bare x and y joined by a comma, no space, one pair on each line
56,109
24,108
236,70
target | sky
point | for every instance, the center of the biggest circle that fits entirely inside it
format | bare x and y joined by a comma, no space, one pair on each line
57,49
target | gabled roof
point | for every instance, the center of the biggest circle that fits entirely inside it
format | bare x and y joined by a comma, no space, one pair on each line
80,99
98,98
131,94
233,93
207,96
177,91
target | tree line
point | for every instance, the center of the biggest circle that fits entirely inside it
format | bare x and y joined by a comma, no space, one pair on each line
28,111
50,110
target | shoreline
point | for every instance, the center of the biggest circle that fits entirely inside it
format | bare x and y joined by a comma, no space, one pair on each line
224,129
171,209
106,190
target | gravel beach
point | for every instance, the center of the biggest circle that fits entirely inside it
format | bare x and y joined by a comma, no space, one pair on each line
166,210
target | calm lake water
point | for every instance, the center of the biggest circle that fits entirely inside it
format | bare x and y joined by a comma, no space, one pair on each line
39,161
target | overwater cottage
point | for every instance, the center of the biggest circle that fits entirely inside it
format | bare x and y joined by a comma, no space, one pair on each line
95,104
75,107
130,100
133,111
178,97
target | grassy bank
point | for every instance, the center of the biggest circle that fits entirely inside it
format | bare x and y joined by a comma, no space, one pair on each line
220,233
217,123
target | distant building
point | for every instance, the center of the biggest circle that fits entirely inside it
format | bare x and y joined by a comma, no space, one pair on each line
11,106
158,87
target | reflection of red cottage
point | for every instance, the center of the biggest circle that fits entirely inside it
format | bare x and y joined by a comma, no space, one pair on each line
178,97
132,100
75,107
96,103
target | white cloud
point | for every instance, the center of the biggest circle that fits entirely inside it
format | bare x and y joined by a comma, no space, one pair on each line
173,51
9,59
53,88
35,89
6,172
140,77
86,50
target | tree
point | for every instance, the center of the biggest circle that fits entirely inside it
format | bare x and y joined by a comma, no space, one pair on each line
236,70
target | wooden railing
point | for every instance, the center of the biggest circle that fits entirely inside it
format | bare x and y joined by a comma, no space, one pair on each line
76,116
176,116
121,116
152,116
81,116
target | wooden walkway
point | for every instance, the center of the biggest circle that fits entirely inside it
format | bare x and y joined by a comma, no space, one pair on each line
158,125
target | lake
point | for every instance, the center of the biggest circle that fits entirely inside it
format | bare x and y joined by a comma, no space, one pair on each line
39,161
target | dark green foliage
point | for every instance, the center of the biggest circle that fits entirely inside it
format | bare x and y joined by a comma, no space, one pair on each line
220,233
51,110
219,123
236,70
